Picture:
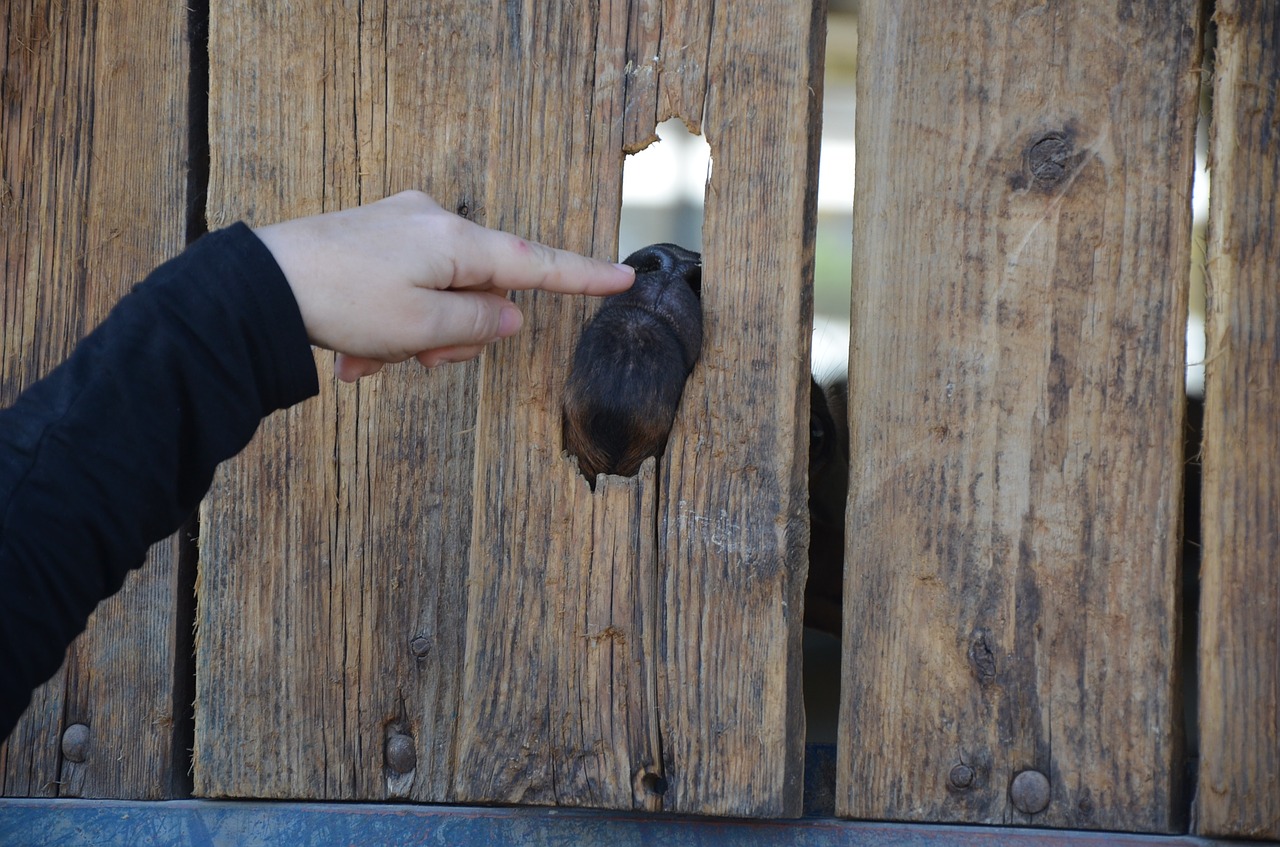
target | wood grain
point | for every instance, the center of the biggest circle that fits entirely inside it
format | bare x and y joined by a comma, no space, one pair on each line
1022,236
730,492
1239,775
734,525
334,551
406,589
92,196
542,725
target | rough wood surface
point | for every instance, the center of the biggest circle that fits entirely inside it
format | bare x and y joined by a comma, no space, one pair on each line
1239,778
734,527
86,90
1022,235
632,647
730,492
333,552
559,711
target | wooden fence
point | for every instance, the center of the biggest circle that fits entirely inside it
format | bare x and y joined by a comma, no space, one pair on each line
403,589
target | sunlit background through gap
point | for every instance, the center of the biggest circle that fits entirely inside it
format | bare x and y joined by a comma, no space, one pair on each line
664,185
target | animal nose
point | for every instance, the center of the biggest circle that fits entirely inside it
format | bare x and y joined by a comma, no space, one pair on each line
670,260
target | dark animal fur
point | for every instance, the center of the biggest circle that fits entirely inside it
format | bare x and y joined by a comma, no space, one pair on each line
631,364
828,491
628,374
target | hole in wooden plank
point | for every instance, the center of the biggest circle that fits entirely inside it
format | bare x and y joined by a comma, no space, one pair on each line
653,783
631,360
663,187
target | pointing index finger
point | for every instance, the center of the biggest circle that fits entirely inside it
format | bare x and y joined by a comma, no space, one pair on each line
512,263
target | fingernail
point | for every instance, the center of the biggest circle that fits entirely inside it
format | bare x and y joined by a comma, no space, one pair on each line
509,321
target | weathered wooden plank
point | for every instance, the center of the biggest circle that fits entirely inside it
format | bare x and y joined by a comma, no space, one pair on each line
1022,238
730,492
1239,775
667,66
83,216
734,525
334,551
558,707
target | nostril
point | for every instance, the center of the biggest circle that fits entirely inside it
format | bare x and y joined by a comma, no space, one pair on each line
666,257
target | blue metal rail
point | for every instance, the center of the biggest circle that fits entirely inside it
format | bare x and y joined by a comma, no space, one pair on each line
206,823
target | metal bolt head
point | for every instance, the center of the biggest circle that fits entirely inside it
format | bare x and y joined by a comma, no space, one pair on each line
1030,792
961,776
401,754
420,646
75,743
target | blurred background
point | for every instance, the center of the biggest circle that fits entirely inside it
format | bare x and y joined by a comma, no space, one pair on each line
663,187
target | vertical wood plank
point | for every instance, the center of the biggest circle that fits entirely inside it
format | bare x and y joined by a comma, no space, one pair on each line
1022,232
1238,791
554,675
334,551
734,523
730,492
84,216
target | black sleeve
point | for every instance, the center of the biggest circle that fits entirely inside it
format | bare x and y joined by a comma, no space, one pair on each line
113,450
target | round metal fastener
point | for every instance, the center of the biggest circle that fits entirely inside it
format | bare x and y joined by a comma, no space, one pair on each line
1030,792
420,646
402,755
961,776
75,743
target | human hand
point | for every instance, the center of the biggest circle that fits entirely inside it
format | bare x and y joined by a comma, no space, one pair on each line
403,278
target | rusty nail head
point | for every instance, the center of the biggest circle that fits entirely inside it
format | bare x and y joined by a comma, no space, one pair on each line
1030,792
420,646
75,743
962,776
402,756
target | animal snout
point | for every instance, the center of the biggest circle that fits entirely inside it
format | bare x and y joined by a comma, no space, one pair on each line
631,364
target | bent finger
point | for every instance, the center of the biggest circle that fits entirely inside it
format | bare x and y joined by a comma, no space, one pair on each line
449,355
442,319
351,368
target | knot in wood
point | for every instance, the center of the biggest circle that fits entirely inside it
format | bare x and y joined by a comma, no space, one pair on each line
401,753
654,783
75,743
1030,792
982,659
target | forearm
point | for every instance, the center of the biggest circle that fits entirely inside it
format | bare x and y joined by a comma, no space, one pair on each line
113,450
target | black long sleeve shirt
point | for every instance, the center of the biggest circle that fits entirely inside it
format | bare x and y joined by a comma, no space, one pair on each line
113,450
